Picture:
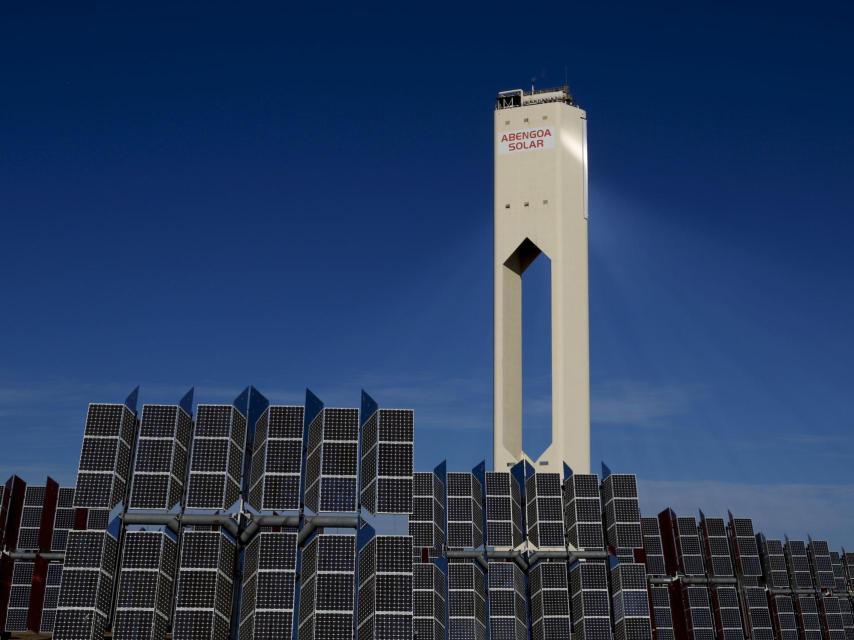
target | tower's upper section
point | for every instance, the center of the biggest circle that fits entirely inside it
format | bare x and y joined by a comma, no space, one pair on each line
519,98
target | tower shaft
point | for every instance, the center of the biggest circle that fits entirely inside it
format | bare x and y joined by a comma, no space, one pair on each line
541,207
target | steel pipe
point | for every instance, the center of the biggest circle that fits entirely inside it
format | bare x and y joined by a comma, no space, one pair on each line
214,519
315,522
257,521
168,519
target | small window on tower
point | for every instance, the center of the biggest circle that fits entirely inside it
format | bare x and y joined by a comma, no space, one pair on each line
526,204
526,119
506,206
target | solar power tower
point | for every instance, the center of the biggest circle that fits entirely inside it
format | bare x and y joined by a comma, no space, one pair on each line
86,594
540,206
150,549
268,591
208,561
62,524
328,559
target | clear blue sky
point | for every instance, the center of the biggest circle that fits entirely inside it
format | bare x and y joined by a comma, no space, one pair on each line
221,195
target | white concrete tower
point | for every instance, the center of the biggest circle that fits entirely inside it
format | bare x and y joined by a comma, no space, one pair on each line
541,207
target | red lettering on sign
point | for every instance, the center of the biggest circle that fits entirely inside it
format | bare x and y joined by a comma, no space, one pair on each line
523,140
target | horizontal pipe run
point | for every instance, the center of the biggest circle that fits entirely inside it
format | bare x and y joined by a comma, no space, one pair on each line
468,554
707,580
572,556
316,522
216,519
515,556
174,522
168,519
256,522
33,555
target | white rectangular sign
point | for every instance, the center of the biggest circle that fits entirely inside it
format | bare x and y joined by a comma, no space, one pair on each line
526,140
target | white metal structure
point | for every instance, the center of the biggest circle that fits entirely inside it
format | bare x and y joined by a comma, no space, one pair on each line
541,207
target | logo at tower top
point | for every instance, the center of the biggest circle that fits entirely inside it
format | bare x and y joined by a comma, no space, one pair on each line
525,140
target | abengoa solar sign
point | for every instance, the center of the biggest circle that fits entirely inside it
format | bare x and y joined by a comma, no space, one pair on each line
526,140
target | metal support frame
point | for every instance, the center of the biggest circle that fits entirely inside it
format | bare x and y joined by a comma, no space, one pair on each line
569,555
33,555
244,530
522,561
